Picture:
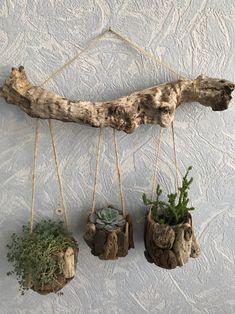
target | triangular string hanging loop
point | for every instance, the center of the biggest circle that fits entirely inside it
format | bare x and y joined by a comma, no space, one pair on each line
125,39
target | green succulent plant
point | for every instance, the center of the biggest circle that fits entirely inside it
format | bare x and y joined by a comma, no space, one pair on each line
108,218
36,256
176,209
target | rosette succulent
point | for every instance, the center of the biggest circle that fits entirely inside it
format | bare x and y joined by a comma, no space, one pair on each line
108,218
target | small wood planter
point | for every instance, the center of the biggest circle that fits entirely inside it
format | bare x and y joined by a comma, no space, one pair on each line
170,246
70,256
109,245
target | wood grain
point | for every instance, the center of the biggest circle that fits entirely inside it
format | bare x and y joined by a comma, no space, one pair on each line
154,105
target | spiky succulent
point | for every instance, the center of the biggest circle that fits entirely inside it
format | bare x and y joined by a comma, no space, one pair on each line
176,209
108,218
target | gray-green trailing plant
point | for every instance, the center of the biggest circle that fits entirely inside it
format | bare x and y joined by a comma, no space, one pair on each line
36,257
176,209
108,218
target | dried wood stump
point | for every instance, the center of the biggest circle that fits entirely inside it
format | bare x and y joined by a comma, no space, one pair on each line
170,246
70,264
155,105
109,244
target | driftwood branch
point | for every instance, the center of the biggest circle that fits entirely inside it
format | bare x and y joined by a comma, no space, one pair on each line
155,105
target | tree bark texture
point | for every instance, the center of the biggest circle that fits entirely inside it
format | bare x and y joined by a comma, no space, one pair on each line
109,245
170,246
154,105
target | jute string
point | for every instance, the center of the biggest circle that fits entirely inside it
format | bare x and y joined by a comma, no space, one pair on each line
118,168
35,153
57,167
158,148
59,177
146,53
92,43
118,172
177,176
156,167
96,170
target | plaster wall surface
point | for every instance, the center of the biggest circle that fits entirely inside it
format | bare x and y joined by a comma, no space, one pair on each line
193,37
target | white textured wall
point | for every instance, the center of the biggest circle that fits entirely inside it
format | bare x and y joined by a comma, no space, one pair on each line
192,36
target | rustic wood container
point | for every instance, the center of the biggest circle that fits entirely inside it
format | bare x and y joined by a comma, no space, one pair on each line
109,245
170,246
70,256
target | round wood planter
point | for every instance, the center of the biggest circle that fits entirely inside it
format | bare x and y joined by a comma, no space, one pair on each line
109,245
170,246
69,269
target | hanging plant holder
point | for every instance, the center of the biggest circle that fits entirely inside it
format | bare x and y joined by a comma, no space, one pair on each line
44,256
45,259
109,233
169,235
170,246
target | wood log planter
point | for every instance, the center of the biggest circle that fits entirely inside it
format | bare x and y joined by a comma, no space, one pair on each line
109,233
169,235
154,105
45,259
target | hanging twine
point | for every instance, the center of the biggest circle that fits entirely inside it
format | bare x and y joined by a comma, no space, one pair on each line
59,178
91,44
118,171
158,148
177,177
146,53
35,153
96,170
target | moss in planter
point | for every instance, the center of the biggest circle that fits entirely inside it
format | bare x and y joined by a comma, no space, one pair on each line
36,257
176,209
